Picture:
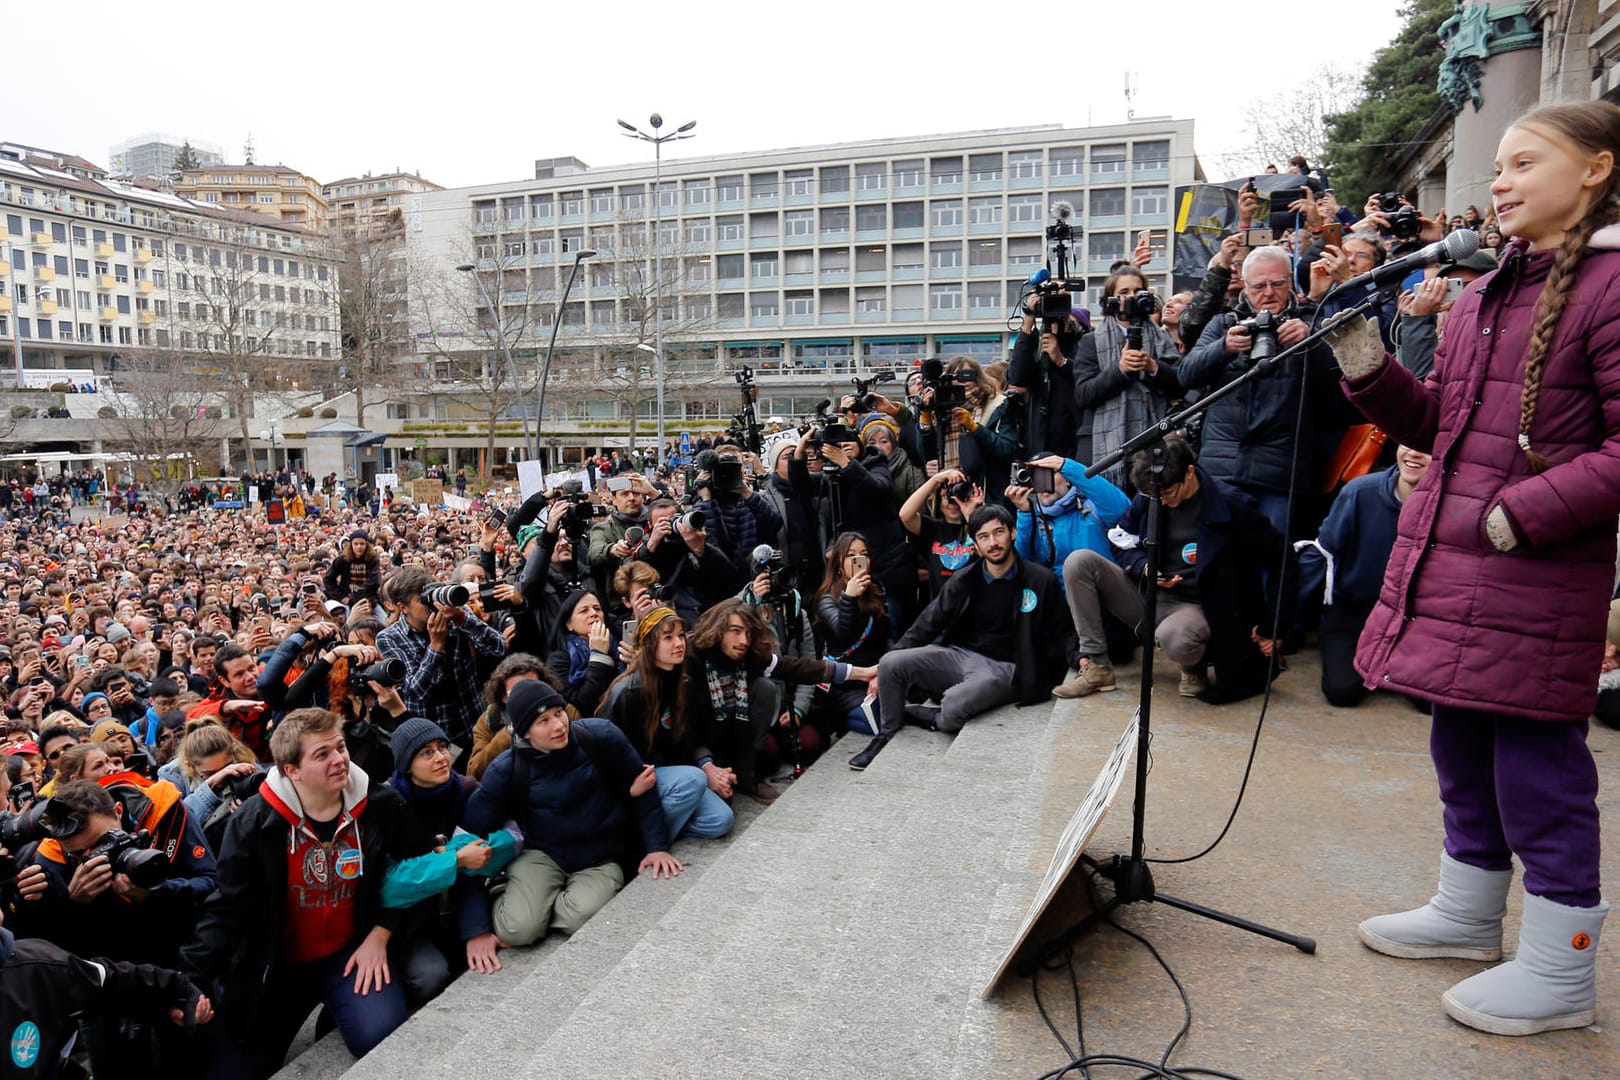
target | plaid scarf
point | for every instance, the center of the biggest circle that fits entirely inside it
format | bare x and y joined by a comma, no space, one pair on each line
728,692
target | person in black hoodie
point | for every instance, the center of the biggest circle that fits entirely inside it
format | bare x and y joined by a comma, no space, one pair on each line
854,623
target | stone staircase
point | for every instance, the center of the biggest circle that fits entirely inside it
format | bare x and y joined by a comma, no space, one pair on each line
846,931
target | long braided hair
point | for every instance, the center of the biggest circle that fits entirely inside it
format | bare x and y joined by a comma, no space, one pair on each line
1590,128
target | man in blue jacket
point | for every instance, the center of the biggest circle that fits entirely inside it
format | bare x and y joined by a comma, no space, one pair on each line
1074,516
575,789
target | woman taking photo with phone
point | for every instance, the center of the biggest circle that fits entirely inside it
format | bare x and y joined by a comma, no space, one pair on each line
1496,595
854,620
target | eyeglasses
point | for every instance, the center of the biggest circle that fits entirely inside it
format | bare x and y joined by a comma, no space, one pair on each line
1271,286
435,750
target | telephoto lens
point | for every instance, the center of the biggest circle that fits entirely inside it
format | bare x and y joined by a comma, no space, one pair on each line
693,519
446,593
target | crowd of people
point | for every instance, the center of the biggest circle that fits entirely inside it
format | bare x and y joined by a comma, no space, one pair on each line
256,765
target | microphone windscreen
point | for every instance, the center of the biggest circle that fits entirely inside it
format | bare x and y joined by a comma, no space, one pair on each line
634,534
1461,243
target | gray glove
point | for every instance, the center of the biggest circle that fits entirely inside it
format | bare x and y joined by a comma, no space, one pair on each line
1357,347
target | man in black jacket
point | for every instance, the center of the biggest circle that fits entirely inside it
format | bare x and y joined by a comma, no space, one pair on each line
998,632
1042,367
296,920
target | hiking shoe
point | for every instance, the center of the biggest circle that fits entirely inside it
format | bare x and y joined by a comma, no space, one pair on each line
1193,683
1093,678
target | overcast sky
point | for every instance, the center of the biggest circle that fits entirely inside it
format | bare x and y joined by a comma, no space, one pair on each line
473,92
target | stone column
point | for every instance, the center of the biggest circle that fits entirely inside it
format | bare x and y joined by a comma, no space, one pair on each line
1494,59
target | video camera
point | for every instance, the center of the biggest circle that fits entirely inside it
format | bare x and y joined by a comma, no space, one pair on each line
863,389
579,515
950,388
766,559
1137,310
725,474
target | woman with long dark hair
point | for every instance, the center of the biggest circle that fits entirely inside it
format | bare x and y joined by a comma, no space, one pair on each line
854,620
648,704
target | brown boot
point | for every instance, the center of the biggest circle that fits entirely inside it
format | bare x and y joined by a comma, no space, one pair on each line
1094,677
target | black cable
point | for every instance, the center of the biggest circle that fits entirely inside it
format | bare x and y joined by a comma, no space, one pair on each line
1276,615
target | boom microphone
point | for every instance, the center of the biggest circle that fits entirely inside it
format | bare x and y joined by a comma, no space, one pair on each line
1039,277
1454,248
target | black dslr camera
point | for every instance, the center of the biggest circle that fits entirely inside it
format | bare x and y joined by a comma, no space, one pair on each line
389,671
950,389
1137,310
1262,328
133,856
1404,221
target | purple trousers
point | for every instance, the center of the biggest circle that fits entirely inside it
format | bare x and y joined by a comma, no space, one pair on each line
1520,787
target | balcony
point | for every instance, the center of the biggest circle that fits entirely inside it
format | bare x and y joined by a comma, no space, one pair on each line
5,268
44,308
145,288
104,250
105,282
40,239
5,305
148,318
44,273
143,256
109,314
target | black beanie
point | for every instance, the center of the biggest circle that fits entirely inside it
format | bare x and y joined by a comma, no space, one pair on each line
409,738
527,700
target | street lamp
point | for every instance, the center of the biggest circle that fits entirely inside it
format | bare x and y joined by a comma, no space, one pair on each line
556,321
270,435
683,132
506,351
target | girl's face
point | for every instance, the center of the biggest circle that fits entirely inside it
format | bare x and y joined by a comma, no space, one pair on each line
96,765
670,652
1412,463
100,709
431,765
1544,185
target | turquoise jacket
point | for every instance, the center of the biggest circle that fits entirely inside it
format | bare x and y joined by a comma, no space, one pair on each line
1082,520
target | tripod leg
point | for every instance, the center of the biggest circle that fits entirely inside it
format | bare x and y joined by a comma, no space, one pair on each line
1303,944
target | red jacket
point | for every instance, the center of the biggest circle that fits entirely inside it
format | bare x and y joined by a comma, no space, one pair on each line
1458,622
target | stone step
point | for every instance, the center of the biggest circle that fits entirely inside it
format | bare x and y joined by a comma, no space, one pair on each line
843,935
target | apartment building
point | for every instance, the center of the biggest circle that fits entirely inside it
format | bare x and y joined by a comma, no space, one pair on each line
367,204
95,270
274,191
811,265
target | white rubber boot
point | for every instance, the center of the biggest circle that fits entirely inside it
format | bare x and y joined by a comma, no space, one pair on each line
1550,984
1463,921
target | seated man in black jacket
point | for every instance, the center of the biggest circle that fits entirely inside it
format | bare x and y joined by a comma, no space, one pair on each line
997,633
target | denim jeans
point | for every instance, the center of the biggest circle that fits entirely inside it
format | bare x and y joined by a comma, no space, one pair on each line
690,808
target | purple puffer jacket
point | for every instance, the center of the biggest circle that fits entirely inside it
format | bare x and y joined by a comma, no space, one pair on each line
1458,622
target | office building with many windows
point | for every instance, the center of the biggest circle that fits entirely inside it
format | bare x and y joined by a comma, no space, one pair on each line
152,155
811,265
95,272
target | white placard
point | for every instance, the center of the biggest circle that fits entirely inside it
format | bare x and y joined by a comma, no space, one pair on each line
531,478
456,502
1087,816
387,480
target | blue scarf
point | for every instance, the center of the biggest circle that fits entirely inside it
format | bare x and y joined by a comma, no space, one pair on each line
444,804
1057,509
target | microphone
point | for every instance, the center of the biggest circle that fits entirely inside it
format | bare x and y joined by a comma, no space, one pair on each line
1039,277
1454,248
634,535
822,406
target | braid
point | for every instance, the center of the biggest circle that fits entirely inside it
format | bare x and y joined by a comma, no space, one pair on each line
1555,296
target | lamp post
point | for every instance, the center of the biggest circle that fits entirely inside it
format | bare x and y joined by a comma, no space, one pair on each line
271,435
556,321
658,141
506,351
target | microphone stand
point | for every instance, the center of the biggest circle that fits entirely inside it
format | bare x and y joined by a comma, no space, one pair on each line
1133,880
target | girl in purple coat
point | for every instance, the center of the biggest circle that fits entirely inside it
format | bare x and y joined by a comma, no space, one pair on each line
1494,603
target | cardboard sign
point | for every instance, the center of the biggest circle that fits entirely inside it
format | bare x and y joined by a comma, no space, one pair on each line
427,492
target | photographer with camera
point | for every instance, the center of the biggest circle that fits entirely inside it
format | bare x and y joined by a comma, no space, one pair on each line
773,593
1124,374
1061,510
587,656
854,621
968,423
1042,367
856,496
439,641
352,679
800,534
1248,438
944,540
216,773
608,546
737,519
694,573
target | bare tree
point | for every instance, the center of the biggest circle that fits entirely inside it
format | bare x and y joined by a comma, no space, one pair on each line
1292,121
374,275
164,415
